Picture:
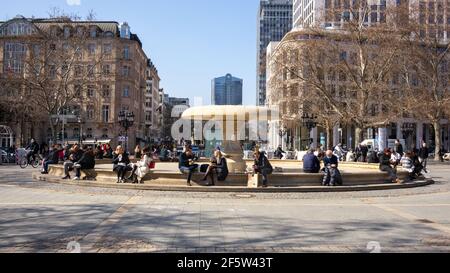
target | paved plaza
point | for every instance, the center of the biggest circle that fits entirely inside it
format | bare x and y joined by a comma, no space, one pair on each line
43,217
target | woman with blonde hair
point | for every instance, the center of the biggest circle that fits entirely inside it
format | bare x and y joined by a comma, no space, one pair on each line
121,163
219,166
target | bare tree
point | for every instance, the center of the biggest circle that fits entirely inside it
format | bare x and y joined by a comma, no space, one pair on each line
425,72
58,67
346,70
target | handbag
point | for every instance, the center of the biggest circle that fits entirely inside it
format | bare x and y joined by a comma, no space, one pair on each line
152,165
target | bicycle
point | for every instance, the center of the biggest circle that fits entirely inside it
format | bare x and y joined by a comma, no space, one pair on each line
35,161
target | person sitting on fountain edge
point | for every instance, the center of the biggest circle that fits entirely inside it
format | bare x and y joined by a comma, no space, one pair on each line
311,163
332,175
186,163
262,166
387,164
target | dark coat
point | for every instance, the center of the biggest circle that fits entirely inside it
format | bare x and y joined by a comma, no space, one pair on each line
87,161
385,160
423,153
53,156
34,147
184,160
125,160
222,169
311,163
333,160
399,148
77,155
263,163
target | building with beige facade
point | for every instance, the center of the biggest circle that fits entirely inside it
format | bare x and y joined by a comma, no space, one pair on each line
118,79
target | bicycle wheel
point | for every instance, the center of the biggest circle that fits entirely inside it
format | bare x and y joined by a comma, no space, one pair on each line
23,163
36,163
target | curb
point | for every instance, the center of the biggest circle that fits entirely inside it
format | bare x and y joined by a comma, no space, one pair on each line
147,187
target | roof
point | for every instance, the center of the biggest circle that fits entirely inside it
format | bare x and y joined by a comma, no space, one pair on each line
104,26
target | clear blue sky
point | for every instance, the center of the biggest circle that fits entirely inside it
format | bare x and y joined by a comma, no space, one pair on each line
190,41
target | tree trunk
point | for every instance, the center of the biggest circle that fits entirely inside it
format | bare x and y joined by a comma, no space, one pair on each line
437,139
329,138
358,135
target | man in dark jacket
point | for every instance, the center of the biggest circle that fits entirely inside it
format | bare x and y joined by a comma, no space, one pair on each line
279,153
34,149
262,166
52,158
386,165
86,162
423,156
398,147
186,163
311,163
332,175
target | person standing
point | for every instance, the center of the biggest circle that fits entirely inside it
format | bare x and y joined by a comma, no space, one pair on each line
262,166
423,156
398,148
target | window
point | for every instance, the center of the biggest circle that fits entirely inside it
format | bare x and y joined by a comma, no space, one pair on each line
106,91
90,91
126,53
90,112
91,70
89,133
52,71
78,70
126,92
91,49
105,113
107,49
66,32
14,55
126,71
93,32
77,89
106,69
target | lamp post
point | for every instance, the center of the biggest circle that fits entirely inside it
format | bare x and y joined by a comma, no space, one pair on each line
408,129
126,120
80,123
309,121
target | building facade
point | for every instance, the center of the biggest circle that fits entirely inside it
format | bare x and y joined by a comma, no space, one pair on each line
274,21
332,14
226,90
116,65
153,104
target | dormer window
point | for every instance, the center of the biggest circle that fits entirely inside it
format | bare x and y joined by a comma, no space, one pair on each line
66,32
93,32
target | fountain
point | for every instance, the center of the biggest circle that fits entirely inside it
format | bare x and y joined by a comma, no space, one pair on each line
236,117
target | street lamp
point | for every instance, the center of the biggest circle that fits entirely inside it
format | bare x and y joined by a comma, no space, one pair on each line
126,120
408,129
309,121
80,123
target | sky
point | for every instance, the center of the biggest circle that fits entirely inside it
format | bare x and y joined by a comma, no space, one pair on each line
190,41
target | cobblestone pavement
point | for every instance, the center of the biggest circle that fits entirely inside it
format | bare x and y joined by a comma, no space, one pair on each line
44,217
